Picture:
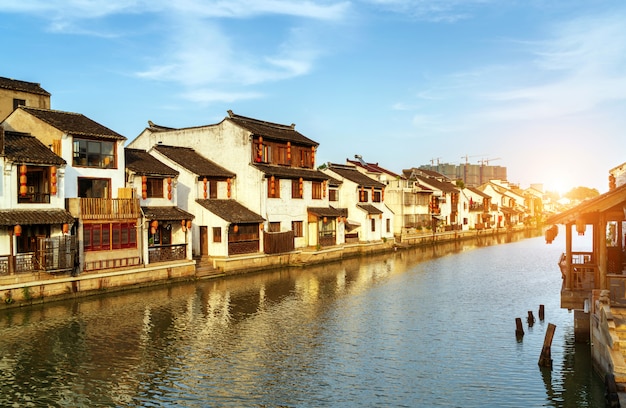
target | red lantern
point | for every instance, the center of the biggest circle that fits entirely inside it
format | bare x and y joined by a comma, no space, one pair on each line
17,230
154,224
144,187
204,187
236,228
53,180
66,228
23,188
169,188
189,224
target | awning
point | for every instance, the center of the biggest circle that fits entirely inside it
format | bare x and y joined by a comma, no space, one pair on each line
325,211
231,211
370,209
169,213
35,217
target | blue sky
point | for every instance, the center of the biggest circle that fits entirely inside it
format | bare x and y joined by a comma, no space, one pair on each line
536,86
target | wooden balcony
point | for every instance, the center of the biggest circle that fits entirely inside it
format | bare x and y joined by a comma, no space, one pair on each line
104,208
578,280
164,253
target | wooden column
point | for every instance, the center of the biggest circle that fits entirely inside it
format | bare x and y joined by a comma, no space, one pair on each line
568,256
601,251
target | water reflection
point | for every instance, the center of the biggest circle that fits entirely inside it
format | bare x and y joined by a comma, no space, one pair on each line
431,326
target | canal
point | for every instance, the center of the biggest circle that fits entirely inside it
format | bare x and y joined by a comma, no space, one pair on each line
424,327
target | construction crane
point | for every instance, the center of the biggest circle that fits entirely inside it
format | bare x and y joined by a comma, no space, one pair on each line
485,162
467,157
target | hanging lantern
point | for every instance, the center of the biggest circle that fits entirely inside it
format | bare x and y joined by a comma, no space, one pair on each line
53,180
66,228
154,224
144,187
228,187
380,216
152,230
189,224
288,152
23,188
17,230
301,187
312,156
169,188
261,226
204,187
362,194
183,225
324,189
260,151
580,226
272,186
325,220
236,228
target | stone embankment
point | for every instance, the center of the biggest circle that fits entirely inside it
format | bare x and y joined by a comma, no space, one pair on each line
35,288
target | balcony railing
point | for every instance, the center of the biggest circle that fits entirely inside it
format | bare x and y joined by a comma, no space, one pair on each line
583,270
164,253
109,208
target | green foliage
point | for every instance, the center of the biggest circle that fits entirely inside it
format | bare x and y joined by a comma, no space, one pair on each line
581,193
460,184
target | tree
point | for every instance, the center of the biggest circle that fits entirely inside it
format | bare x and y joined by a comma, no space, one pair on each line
581,193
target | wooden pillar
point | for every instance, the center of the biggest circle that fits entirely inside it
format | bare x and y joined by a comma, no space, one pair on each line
11,254
568,256
602,252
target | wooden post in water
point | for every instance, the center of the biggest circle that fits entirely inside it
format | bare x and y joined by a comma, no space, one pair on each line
541,312
546,359
531,318
519,329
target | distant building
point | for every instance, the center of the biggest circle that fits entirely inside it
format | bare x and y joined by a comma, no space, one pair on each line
472,175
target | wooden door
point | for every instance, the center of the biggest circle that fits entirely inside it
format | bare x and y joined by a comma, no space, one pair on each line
204,241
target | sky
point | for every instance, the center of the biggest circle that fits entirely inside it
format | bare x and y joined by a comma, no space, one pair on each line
536,86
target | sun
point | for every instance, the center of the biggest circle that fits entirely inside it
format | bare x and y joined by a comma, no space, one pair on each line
561,185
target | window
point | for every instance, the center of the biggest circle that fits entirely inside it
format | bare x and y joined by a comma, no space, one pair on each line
376,197
388,225
94,153
106,236
273,187
316,192
281,155
154,187
162,235
305,158
333,194
93,188
363,196
18,102
296,227
212,188
373,222
217,234
274,227
296,192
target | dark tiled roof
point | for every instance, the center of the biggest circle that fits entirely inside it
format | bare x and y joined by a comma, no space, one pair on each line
194,162
477,191
291,172
25,148
269,130
370,209
444,186
142,163
231,211
74,124
17,85
326,211
35,217
373,167
166,213
352,174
